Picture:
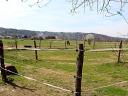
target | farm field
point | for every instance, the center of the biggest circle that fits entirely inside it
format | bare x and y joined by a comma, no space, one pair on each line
58,67
60,44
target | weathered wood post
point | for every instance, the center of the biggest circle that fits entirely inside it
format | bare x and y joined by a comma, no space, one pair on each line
84,43
119,53
79,65
2,66
40,43
16,42
115,45
65,43
50,44
94,43
76,43
36,55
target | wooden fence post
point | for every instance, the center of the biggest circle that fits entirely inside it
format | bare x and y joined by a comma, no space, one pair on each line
40,43
119,53
76,43
3,72
94,43
36,55
50,44
84,43
65,43
79,65
16,42
115,45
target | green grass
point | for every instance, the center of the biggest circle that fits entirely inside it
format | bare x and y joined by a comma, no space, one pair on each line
59,67
111,91
60,44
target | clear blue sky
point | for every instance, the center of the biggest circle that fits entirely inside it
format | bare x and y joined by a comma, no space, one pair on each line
56,16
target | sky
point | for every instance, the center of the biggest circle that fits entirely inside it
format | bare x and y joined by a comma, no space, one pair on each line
57,17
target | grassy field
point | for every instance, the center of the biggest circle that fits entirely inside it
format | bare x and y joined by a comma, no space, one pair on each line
60,44
58,68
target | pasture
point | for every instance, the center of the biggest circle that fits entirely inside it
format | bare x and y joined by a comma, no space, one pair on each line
101,71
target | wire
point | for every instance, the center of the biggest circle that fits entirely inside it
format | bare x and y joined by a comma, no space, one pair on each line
29,78
110,85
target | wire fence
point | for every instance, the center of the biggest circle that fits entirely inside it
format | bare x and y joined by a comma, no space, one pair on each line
61,88
35,80
59,44
10,58
32,59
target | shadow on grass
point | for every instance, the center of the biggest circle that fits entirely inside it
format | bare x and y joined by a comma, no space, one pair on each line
10,82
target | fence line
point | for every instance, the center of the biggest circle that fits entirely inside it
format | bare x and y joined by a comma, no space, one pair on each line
91,50
24,57
12,60
110,85
50,85
124,56
20,63
96,50
29,78
60,88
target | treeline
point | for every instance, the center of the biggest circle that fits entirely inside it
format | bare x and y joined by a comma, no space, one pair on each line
6,32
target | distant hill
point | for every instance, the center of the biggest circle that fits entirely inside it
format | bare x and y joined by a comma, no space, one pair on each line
59,35
14,32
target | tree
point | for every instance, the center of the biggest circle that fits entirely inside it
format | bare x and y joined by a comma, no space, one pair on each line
90,38
107,7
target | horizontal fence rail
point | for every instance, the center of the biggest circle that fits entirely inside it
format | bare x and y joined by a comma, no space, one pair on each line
92,50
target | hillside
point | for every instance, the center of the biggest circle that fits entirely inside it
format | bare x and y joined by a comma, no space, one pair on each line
59,35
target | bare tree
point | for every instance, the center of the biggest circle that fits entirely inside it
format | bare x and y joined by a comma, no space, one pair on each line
111,7
90,38
39,3
107,7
